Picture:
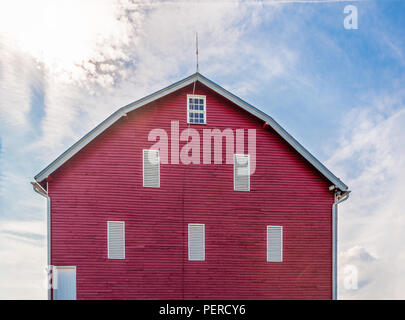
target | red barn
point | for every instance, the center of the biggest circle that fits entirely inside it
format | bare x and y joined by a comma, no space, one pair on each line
191,193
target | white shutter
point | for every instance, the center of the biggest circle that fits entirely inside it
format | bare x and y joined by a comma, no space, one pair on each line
196,242
241,172
151,168
116,239
274,243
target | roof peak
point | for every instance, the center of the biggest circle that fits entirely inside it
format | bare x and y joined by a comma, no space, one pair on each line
172,88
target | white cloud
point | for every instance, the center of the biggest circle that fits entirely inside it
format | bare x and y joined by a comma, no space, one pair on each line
371,157
23,260
16,80
66,35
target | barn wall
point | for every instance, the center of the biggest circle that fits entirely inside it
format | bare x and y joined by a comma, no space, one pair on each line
104,182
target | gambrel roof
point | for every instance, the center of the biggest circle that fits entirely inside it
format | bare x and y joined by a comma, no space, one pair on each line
172,88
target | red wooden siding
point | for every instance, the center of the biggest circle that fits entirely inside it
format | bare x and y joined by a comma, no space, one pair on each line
104,182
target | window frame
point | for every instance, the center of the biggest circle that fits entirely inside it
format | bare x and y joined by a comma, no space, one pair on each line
196,96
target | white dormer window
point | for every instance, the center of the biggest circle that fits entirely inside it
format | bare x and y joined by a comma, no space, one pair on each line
196,109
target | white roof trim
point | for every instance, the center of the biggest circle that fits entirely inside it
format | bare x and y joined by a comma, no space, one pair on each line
174,87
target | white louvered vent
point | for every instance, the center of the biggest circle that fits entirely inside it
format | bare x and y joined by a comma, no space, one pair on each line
274,243
196,242
151,168
241,172
116,239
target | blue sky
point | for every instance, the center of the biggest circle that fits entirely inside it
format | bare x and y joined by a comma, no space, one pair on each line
339,92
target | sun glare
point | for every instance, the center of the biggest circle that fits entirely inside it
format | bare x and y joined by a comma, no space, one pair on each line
62,35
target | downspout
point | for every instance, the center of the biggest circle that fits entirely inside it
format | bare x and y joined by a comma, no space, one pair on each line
41,191
339,198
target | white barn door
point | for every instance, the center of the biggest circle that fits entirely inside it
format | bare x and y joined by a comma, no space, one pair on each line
64,283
